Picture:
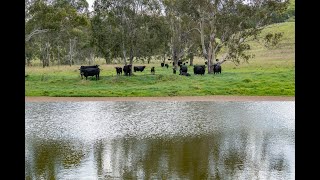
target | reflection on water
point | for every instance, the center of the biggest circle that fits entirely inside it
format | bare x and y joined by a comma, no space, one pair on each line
160,140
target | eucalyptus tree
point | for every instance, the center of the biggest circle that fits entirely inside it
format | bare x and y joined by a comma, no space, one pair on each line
55,22
86,49
127,29
226,26
74,27
175,21
105,33
29,12
43,24
154,36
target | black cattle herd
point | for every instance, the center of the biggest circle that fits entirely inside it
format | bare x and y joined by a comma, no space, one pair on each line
127,69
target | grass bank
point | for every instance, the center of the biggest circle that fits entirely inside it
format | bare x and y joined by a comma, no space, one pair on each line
270,73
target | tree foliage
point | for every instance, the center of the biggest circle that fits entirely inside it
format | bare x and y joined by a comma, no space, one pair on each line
226,26
128,29
50,27
64,30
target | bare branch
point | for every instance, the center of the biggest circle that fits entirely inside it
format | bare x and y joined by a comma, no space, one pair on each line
194,29
37,31
224,57
184,51
217,47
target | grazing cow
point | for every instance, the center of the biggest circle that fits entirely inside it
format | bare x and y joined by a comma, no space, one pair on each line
119,70
199,69
84,67
152,70
162,64
127,70
166,65
183,69
91,72
216,68
138,68
185,74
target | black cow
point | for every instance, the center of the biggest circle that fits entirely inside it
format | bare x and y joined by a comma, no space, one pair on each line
119,70
138,68
85,67
216,68
91,72
127,70
199,69
162,64
152,70
185,74
166,65
183,69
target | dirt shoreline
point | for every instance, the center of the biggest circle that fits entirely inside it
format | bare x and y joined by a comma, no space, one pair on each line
174,98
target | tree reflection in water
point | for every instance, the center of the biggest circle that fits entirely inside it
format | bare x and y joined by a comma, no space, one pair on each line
49,157
217,156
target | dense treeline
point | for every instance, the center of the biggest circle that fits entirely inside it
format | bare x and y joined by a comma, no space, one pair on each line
64,32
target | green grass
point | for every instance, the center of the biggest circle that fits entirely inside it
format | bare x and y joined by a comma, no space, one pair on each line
270,73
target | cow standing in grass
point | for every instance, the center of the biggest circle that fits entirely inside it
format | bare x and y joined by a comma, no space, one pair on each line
91,72
127,70
217,67
119,70
199,69
183,69
138,68
152,70
85,67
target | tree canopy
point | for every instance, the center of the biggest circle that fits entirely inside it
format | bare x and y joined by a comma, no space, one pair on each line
64,31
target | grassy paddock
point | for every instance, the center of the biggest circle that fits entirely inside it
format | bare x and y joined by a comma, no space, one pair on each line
270,73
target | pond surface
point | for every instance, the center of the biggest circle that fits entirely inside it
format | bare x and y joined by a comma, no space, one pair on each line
160,140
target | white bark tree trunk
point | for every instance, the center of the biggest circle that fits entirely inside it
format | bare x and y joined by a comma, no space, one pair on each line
58,56
70,52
